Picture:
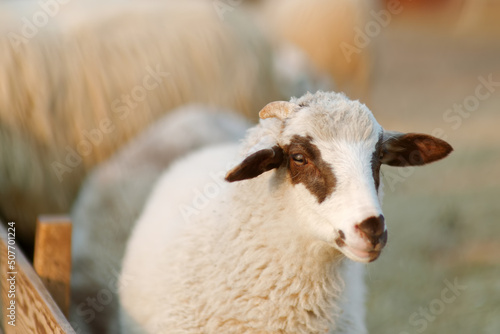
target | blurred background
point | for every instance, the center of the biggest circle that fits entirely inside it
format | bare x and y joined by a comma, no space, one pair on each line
444,219
81,80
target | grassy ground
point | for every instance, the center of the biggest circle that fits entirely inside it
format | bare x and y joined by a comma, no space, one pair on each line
443,219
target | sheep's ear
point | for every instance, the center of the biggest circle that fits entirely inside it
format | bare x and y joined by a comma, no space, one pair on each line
412,149
256,164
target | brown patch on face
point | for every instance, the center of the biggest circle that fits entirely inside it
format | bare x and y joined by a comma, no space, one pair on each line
312,171
376,163
340,242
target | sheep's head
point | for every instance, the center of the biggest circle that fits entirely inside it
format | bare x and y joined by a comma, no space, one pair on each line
329,149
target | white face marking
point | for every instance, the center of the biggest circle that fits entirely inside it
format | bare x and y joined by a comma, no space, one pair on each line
348,150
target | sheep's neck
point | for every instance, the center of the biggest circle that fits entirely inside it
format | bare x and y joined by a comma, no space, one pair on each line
279,265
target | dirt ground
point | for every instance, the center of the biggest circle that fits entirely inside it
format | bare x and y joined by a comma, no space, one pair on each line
440,272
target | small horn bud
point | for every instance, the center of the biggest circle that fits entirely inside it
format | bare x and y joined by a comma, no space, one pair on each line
278,109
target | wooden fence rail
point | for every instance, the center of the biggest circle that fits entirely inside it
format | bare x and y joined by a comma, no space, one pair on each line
25,300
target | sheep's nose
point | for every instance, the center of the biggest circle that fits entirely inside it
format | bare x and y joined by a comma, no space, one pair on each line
373,229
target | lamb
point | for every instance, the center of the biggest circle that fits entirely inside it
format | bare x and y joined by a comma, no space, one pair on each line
112,197
271,250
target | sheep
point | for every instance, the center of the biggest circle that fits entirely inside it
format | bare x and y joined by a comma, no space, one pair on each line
272,249
111,199
75,90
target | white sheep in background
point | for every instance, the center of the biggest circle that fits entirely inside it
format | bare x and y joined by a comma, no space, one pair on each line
112,198
266,254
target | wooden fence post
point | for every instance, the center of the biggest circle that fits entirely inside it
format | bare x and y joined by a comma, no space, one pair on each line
52,257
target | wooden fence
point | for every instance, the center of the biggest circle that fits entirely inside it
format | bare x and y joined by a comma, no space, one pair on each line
25,298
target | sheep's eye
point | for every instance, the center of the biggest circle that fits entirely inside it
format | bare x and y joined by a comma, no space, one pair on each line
381,154
299,159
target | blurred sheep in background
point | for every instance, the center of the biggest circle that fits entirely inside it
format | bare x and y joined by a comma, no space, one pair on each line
112,198
96,75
